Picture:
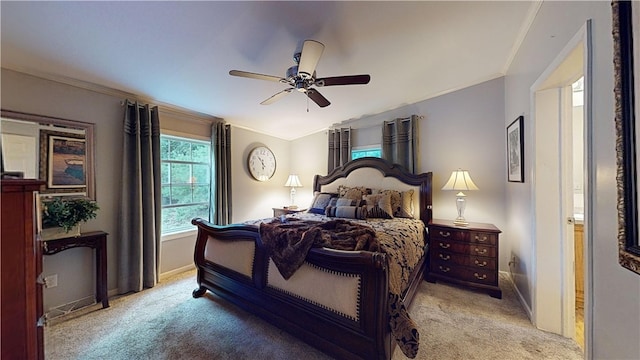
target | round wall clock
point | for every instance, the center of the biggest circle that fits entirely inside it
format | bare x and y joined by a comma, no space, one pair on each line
261,163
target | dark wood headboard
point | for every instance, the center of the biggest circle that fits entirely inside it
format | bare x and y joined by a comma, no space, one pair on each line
387,169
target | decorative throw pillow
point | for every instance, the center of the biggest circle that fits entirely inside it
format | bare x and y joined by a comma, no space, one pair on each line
406,205
401,202
350,212
320,202
330,210
356,192
379,206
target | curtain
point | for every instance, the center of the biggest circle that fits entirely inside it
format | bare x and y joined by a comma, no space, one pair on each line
220,209
399,142
339,147
140,201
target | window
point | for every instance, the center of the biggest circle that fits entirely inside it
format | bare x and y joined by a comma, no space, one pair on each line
186,182
371,152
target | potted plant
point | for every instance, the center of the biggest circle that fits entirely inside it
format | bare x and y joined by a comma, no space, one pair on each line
61,217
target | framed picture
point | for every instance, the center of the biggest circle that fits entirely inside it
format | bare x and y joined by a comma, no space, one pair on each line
626,66
63,162
515,151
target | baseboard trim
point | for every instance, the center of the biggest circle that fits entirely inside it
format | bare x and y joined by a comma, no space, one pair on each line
177,271
526,307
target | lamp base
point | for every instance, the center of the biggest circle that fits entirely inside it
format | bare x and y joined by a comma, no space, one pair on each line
460,222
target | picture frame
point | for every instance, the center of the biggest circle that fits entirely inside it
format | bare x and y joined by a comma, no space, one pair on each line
515,151
63,162
626,57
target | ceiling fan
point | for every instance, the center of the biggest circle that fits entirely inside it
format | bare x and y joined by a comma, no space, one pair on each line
302,76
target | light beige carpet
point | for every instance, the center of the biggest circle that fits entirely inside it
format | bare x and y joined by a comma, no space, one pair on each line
167,323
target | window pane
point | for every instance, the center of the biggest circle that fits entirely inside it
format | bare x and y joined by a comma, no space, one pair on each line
200,153
179,150
164,173
164,148
181,194
201,193
166,195
179,218
201,174
180,173
356,154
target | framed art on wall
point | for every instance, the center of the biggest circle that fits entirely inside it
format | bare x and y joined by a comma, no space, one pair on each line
63,162
515,151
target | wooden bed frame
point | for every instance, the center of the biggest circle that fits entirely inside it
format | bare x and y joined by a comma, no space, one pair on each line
368,336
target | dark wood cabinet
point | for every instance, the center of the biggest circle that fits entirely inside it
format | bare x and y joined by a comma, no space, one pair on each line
464,255
21,295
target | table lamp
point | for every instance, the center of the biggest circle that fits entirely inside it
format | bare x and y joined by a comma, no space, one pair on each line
293,181
460,181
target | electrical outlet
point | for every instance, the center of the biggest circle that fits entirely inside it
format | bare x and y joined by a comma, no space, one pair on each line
51,281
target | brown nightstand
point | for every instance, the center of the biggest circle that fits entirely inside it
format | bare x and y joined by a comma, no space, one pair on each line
284,211
465,255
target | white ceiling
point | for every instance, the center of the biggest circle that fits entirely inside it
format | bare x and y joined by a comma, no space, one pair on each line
180,53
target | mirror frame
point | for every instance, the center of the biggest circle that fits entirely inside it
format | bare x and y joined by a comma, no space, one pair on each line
64,123
625,122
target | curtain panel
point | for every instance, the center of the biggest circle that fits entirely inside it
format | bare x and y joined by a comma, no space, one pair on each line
399,141
140,200
220,209
339,147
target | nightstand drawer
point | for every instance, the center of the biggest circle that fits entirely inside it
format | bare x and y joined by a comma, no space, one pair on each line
476,262
449,234
463,248
483,238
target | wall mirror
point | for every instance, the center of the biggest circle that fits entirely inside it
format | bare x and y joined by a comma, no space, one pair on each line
626,58
57,151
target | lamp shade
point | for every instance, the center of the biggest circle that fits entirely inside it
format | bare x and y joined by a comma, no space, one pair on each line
460,180
293,181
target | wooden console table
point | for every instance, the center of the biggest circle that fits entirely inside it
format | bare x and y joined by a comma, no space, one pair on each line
96,240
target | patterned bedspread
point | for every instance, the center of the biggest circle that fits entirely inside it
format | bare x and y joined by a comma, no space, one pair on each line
403,241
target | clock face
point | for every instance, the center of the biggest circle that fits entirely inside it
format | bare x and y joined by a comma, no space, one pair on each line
261,163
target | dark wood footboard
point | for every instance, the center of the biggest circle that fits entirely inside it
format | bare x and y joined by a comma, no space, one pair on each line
367,337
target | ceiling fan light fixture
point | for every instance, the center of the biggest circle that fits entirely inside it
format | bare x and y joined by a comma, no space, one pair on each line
302,76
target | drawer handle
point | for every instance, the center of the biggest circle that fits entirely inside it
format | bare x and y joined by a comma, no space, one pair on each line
444,268
483,251
445,246
484,276
445,234
444,257
481,264
483,239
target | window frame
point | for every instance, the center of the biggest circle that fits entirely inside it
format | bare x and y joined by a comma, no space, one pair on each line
366,148
172,234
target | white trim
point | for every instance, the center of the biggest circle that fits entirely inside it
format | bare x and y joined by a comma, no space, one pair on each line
178,235
177,271
589,178
519,295
581,38
522,34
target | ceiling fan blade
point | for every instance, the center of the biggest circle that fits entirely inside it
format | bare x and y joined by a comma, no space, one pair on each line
256,76
276,97
343,80
309,57
314,95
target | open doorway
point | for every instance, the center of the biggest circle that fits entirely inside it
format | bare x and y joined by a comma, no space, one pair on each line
561,101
